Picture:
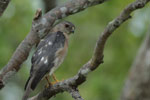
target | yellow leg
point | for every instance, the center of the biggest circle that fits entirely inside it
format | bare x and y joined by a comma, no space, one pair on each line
48,81
55,79
51,83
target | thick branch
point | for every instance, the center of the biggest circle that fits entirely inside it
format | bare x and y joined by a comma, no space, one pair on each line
3,5
40,27
96,60
137,86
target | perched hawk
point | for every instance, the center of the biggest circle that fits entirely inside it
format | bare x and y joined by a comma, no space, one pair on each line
49,54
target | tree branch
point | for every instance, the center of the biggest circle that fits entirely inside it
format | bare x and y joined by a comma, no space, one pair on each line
3,5
75,94
40,27
137,86
96,59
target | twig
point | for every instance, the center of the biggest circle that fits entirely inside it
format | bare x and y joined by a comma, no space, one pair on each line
97,58
40,27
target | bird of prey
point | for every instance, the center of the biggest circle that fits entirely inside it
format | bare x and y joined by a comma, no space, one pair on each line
49,54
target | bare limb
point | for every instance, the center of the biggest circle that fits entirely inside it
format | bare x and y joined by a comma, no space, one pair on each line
75,94
3,5
97,58
112,26
19,55
137,86
40,27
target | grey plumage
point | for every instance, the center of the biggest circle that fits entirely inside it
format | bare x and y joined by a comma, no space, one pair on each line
49,55
52,42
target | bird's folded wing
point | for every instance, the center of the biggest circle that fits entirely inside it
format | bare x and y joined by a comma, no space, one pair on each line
44,57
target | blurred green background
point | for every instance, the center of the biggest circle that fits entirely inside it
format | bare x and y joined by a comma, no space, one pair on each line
106,82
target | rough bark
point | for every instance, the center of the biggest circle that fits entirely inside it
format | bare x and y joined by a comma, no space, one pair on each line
137,86
40,27
75,94
3,5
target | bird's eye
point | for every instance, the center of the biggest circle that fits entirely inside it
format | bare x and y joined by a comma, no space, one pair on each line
66,25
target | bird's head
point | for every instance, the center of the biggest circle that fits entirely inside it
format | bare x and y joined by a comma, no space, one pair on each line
65,27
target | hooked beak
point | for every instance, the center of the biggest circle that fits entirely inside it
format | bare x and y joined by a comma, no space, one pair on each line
72,31
73,28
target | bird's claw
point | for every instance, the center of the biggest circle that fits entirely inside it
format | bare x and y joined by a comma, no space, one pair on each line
57,81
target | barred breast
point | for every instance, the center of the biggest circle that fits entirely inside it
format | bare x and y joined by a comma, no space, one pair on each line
60,55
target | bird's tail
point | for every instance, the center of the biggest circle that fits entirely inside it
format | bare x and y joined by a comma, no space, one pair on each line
26,94
27,88
27,83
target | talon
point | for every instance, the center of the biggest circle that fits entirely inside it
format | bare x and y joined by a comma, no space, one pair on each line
51,83
54,83
55,79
